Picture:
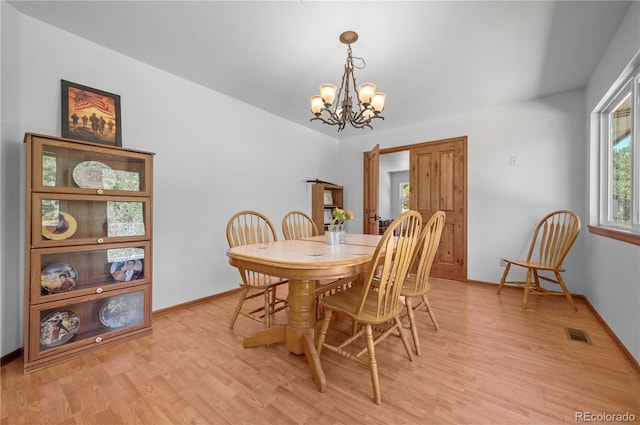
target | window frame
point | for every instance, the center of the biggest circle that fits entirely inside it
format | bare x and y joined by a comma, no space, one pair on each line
613,229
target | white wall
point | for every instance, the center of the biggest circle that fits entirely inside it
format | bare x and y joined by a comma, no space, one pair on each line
612,268
384,193
384,188
11,245
504,202
2,166
215,156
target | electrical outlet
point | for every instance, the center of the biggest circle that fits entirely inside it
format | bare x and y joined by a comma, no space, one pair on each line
513,161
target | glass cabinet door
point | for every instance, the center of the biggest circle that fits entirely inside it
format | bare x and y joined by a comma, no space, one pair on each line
60,220
64,326
60,166
76,271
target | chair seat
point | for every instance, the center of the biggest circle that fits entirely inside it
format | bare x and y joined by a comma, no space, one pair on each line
347,301
533,265
409,287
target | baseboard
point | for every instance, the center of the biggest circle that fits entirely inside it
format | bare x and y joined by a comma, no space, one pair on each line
195,302
632,360
481,282
11,357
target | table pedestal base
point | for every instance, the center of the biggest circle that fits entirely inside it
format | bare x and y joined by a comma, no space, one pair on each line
298,334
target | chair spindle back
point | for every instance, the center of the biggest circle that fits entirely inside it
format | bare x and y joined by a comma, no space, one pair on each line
553,237
249,227
298,225
392,259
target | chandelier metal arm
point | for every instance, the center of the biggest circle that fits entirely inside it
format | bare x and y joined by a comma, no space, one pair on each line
357,121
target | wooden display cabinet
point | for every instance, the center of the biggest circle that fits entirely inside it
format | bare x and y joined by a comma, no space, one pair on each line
88,238
325,197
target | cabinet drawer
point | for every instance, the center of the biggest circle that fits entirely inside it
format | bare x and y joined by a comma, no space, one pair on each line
60,273
64,327
73,167
60,220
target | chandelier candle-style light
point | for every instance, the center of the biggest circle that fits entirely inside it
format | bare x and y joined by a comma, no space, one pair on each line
339,109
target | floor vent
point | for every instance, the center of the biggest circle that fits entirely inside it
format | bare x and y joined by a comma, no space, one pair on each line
577,335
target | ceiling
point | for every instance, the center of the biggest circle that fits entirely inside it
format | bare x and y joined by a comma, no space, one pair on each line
432,58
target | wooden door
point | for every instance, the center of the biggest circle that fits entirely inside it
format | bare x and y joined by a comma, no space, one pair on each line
371,181
437,178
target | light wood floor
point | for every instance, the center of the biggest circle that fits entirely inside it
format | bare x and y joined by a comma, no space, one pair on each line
490,363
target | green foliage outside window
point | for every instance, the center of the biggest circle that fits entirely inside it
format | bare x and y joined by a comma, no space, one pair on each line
621,185
404,197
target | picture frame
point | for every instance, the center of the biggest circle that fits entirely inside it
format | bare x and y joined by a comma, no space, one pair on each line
328,216
90,115
328,197
127,270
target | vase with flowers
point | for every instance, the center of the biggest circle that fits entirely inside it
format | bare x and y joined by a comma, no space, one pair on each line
335,232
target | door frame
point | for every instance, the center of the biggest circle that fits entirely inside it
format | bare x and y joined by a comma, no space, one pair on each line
371,191
401,148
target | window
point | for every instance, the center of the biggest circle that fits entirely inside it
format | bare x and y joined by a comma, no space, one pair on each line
619,198
404,197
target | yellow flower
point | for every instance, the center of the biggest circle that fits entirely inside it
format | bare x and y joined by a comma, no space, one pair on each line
339,217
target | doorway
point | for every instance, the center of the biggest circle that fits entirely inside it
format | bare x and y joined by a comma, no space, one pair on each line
437,175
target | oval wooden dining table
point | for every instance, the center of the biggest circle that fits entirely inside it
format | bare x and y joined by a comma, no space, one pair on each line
303,262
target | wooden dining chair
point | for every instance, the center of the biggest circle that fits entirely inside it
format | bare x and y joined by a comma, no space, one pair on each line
250,227
416,285
553,237
376,308
298,225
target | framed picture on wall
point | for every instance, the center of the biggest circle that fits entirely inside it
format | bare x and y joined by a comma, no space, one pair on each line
90,115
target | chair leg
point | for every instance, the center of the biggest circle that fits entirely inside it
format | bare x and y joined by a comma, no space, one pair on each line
536,280
404,339
268,306
412,324
373,365
566,291
323,330
432,315
504,278
243,296
527,284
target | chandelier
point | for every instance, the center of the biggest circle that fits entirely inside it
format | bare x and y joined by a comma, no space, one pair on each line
339,109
